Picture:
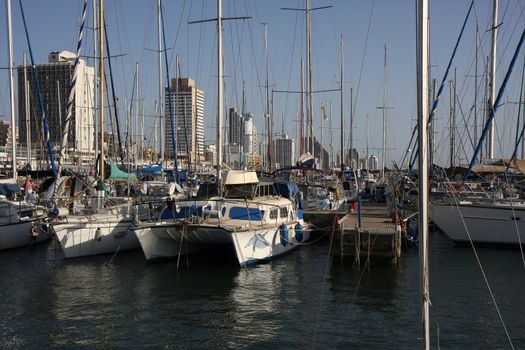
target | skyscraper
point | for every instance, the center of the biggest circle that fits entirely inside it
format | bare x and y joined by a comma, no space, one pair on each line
187,102
285,151
54,80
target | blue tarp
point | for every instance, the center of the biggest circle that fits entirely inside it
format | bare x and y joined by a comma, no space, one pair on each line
286,189
8,189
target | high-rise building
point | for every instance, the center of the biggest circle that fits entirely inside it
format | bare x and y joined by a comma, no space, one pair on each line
187,102
242,140
5,133
54,80
285,151
234,126
372,162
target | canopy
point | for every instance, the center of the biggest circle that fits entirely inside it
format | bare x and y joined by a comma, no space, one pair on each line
118,175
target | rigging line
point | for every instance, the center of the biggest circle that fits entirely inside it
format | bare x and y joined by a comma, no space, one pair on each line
261,95
455,199
176,34
291,62
363,59
323,288
510,37
235,94
119,36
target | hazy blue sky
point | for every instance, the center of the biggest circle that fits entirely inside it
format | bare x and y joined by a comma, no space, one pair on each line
53,25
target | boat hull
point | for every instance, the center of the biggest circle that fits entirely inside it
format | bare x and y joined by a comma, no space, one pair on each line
491,224
19,235
94,238
254,245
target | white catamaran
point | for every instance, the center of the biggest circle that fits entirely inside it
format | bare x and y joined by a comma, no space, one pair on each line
261,220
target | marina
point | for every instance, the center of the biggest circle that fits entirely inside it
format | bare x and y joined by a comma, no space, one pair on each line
218,185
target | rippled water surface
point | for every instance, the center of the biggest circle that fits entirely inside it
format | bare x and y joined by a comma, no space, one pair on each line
305,300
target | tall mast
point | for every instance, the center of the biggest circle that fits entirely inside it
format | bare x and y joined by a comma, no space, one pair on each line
28,114
161,119
219,94
352,131
11,87
95,76
476,86
102,79
270,122
301,116
422,107
309,78
383,161
492,84
342,108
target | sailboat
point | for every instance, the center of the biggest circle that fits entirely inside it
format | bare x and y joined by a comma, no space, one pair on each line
495,220
17,217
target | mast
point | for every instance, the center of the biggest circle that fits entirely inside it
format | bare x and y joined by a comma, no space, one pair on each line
342,108
492,83
219,95
102,77
352,131
301,116
367,137
476,87
95,77
422,107
161,124
383,162
309,77
28,114
11,87
270,121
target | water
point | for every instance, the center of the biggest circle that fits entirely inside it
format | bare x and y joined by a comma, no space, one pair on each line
302,301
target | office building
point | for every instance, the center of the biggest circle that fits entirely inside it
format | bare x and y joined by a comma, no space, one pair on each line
187,103
284,151
54,80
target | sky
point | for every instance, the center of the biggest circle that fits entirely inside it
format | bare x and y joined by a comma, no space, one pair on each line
366,27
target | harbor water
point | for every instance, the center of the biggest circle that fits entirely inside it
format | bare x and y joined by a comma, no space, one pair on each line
305,300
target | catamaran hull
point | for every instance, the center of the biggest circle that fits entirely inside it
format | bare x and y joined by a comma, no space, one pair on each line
251,246
95,238
19,235
491,225
256,246
164,242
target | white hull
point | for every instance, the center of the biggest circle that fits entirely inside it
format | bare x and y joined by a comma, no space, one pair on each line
163,241
486,224
251,246
102,236
265,244
18,235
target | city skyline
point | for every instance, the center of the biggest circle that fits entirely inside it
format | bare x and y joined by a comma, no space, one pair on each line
132,33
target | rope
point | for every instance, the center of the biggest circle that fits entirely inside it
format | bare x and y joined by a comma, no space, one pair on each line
316,328
456,202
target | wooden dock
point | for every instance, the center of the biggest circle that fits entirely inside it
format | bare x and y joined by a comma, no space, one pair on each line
378,235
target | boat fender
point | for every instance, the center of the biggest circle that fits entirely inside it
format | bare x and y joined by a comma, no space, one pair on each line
98,234
283,231
60,212
34,232
299,232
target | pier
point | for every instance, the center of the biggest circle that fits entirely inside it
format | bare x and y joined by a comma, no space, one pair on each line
377,236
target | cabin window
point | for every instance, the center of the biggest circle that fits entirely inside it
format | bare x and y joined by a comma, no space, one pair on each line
273,213
243,213
284,212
